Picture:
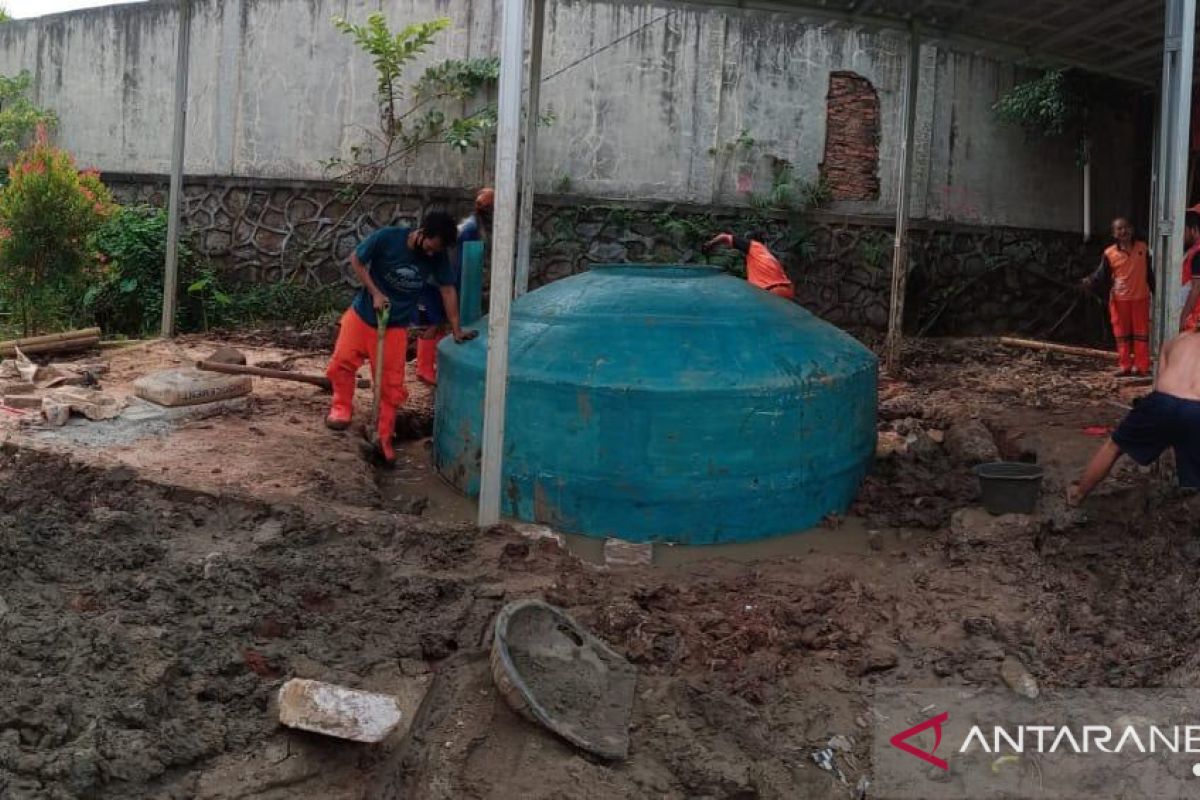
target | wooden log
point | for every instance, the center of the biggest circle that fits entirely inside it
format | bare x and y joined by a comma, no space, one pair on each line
117,344
63,346
1071,350
274,374
84,333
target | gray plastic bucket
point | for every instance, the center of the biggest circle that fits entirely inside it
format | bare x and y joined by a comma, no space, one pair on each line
1010,487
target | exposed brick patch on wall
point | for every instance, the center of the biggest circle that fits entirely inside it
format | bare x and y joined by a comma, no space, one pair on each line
851,165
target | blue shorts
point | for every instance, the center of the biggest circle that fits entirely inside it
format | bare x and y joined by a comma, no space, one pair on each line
430,309
1159,421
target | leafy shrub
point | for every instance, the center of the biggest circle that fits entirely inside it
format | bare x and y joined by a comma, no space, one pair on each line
48,212
127,297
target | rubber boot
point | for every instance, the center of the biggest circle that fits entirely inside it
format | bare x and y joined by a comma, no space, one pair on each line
338,419
427,359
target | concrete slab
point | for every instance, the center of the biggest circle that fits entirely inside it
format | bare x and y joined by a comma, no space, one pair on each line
339,712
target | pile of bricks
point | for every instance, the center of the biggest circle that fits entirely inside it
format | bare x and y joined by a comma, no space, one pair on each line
851,165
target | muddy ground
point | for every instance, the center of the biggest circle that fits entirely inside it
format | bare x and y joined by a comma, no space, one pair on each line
145,623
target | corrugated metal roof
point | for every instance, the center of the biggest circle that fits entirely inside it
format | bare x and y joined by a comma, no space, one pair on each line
1122,38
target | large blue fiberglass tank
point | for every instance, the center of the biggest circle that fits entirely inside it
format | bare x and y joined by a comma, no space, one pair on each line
674,404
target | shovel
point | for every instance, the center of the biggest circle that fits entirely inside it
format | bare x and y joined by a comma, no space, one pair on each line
374,448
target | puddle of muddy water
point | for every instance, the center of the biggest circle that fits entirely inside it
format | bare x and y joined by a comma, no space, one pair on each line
851,536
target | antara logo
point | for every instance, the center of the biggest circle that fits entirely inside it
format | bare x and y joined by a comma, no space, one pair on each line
900,740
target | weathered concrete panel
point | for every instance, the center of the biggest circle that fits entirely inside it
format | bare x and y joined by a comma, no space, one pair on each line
651,101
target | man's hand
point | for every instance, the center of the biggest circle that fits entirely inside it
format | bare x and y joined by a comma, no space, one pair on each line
461,336
720,239
380,301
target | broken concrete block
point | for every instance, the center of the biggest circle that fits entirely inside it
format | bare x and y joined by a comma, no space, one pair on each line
185,387
23,401
971,442
337,711
94,405
57,414
228,355
539,533
1017,678
619,553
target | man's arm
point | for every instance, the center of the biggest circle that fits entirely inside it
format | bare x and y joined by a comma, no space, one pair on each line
725,239
450,303
1100,276
364,277
1190,304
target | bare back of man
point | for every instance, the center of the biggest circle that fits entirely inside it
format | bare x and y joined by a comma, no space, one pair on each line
1169,417
1179,367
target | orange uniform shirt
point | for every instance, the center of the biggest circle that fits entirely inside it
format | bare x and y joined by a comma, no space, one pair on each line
1130,271
763,269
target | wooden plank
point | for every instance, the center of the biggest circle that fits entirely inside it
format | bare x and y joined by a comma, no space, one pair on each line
1054,347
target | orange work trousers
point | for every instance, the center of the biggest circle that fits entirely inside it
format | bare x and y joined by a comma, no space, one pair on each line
427,357
356,343
1131,328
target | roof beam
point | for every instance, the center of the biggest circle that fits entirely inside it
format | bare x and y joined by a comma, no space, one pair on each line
1138,57
932,34
1090,23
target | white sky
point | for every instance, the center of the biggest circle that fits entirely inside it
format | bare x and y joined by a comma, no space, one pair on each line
35,8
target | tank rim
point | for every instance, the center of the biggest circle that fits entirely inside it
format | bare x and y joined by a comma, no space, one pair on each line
659,270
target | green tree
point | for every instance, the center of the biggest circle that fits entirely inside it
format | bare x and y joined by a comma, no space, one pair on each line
418,115
4,15
19,117
1055,104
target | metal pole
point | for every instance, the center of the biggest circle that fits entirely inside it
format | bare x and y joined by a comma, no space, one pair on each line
1152,227
175,201
508,139
1174,123
1087,197
908,110
529,153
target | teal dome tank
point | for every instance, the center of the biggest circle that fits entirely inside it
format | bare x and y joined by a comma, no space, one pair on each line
668,404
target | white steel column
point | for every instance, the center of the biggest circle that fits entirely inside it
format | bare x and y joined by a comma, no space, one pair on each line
908,111
508,138
529,152
1174,122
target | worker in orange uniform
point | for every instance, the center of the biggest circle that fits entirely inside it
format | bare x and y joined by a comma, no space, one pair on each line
393,264
1191,270
431,311
1126,271
762,267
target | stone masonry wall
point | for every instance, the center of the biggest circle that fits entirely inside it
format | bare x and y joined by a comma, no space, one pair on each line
964,280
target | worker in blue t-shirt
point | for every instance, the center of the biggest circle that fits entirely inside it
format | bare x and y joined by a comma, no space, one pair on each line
393,264
431,312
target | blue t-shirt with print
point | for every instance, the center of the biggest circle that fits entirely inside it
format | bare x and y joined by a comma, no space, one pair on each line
399,272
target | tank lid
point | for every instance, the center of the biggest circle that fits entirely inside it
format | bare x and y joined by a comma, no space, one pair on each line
659,270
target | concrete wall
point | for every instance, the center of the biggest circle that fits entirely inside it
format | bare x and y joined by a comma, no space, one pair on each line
275,90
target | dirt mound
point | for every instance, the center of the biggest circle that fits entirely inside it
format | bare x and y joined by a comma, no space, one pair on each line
145,629
145,632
